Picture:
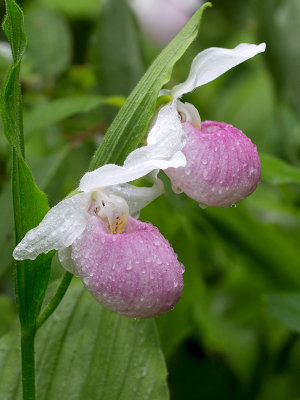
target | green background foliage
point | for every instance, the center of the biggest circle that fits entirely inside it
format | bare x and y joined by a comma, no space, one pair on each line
235,332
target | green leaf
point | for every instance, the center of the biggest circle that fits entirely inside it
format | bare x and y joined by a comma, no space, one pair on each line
74,8
276,171
11,101
116,55
30,204
131,123
286,308
6,232
7,314
49,42
86,352
57,110
263,243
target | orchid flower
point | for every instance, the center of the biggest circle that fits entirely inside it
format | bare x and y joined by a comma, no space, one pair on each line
222,166
127,265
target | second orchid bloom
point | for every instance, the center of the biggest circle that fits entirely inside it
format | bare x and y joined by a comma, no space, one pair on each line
127,265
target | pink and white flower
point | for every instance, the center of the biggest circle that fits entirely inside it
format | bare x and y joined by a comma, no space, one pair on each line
222,166
96,239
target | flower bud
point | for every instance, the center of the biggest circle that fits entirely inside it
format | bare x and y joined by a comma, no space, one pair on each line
135,274
222,167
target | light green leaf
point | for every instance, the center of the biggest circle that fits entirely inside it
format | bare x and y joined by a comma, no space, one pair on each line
131,123
49,42
57,110
86,352
276,171
30,204
286,308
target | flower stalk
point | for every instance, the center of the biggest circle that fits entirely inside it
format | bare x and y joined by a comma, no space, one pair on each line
28,364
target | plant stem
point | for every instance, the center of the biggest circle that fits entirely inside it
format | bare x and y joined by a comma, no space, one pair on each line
28,364
55,300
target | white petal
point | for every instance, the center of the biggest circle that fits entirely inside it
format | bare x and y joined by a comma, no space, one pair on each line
59,228
164,144
213,62
137,197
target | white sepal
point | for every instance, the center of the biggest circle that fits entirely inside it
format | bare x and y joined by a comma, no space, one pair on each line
164,144
213,62
59,228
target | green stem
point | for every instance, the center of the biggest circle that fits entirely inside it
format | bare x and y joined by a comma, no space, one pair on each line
55,300
28,364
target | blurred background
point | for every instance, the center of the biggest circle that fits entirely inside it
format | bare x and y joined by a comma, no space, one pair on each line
234,334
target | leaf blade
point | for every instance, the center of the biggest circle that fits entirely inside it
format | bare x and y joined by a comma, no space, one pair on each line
277,171
286,308
87,352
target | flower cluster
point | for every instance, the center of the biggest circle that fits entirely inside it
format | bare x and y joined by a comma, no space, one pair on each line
127,265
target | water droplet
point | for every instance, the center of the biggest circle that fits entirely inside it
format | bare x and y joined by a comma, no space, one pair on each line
103,240
148,259
176,189
158,261
129,267
202,205
204,162
156,242
234,205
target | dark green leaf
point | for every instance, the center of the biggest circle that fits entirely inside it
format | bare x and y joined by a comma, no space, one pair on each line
131,123
276,171
116,54
74,8
7,314
285,307
86,352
